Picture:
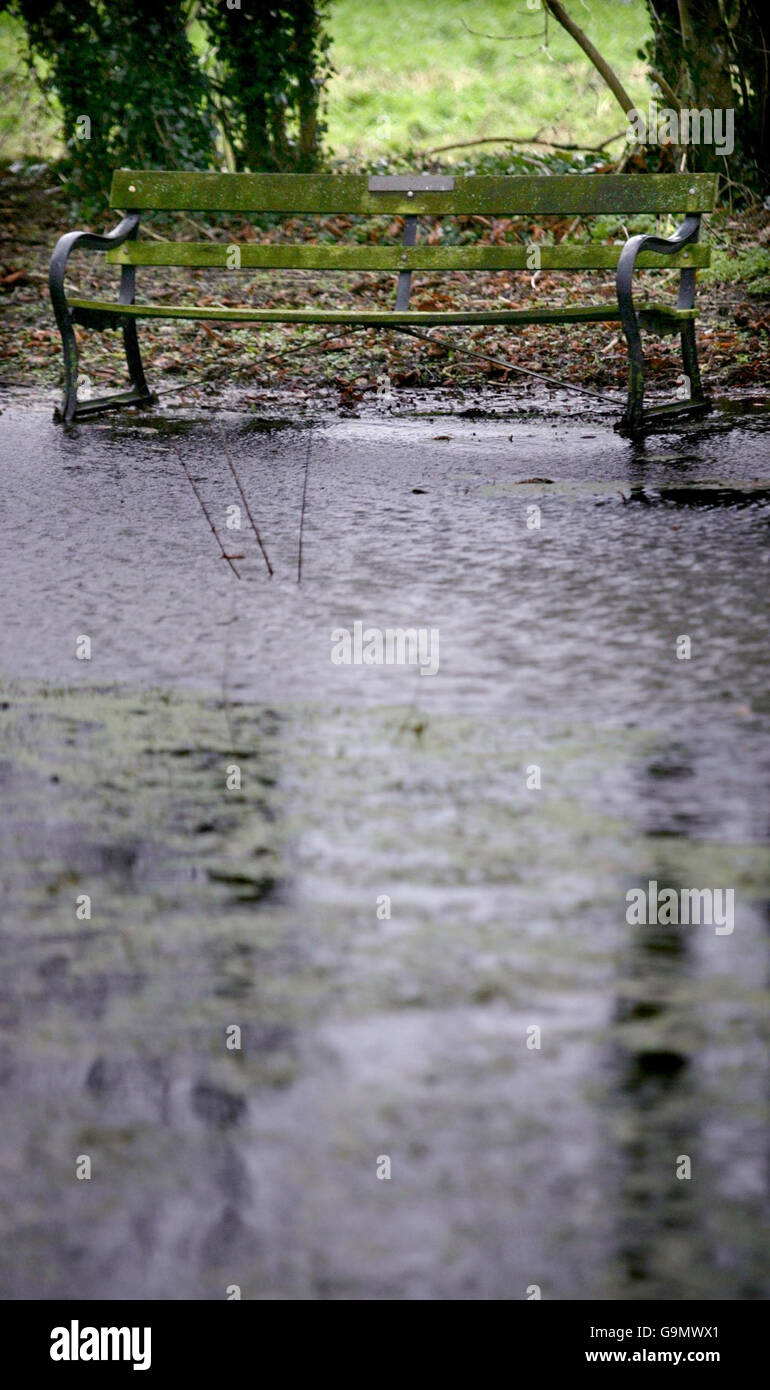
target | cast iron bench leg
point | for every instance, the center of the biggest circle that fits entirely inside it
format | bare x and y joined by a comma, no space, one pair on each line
686,300
70,353
71,408
134,361
130,338
634,411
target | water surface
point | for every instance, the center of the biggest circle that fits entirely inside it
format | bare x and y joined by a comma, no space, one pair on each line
366,1036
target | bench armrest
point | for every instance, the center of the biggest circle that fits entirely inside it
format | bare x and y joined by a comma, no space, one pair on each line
683,236
688,232
90,241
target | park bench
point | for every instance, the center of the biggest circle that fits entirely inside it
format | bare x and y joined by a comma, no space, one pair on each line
408,196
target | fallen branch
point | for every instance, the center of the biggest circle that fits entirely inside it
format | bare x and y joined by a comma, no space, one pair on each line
317,345
496,361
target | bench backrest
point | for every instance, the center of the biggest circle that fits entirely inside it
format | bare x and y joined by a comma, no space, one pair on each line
414,195
486,194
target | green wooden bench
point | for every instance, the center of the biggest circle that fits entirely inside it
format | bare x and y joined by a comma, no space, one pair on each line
408,196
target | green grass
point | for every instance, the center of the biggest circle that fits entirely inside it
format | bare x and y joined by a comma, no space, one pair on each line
410,76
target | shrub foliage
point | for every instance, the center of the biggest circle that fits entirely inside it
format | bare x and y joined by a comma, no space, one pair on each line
168,84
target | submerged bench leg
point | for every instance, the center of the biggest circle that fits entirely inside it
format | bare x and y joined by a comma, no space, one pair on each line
694,400
73,409
70,353
631,421
638,421
690,364
633,415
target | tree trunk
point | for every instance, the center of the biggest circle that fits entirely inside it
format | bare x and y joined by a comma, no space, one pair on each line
306,36
706,56
713,55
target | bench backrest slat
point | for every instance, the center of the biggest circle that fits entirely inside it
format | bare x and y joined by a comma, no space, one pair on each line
483,194
588,256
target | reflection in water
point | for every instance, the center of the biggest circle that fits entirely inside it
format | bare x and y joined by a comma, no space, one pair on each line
669,1239
711,495
655,1108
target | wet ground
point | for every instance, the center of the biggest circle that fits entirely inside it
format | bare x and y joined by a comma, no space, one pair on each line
363,1035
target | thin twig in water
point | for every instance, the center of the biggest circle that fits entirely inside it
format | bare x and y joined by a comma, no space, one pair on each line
254,527
204,509
302,513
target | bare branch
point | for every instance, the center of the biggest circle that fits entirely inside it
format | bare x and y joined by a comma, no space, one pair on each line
614,83
528,140
666,89
498,38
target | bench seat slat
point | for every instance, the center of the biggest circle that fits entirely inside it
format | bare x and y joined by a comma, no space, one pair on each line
206,254
573,313
483,194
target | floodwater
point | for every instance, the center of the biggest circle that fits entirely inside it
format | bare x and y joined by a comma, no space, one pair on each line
367,1036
